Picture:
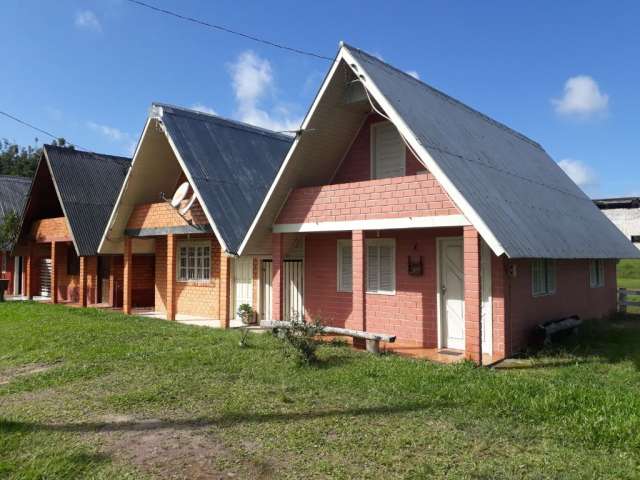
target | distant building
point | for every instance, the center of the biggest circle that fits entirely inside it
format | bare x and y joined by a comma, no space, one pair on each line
625,214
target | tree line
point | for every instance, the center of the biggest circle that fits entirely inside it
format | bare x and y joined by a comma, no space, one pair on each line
22,161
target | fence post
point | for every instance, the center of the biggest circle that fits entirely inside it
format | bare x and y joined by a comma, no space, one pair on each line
622,300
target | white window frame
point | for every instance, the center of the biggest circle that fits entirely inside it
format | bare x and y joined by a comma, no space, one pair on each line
548,269
372,134
596,273
374,242
192,244
343,242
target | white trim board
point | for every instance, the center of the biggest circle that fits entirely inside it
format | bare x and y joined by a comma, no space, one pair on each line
375,224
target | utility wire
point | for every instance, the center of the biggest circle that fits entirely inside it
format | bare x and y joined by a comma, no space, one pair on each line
228,30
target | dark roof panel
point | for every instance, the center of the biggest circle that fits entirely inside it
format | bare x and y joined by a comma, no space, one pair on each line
88,185
13,194
232,165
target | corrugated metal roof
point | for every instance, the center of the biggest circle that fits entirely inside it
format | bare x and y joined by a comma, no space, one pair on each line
13,195
232,165
522,196
88,185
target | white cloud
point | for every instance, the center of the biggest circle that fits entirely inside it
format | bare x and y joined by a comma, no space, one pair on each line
414,74
111,133
581,174
252,82
203,108
88,20
582,97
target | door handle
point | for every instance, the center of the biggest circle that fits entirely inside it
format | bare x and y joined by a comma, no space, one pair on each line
443,288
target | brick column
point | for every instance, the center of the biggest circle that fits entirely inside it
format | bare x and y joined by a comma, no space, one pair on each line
54,272
358,312
126,277
29,280
83,281
472,295
224,290
171,276
277,265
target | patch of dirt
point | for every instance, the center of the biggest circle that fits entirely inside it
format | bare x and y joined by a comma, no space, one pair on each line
30,369
175,451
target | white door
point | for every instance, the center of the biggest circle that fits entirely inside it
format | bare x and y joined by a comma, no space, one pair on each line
242,283
45,277
293,284
266,294
452,293
486,310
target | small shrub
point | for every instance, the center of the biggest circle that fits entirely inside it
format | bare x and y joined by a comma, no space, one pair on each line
247,315
300,339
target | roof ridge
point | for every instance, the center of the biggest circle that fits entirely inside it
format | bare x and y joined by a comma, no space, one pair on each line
448,97
99,156
226,120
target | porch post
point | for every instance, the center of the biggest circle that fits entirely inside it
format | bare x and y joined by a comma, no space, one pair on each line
171,276
83,281
358,313
277,258
28,281
225,294
54,272
472,295
112,284
126,276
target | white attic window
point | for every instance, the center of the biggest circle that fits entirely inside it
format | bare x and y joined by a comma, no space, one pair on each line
388,156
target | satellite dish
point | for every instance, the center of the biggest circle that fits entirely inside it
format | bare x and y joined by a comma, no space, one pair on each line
181,193
187,207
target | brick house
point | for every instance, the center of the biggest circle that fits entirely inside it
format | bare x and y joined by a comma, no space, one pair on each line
423,218
13,193
224,169
67,207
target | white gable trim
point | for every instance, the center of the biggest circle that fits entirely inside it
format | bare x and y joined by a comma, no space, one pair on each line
116,206
285,163
424,156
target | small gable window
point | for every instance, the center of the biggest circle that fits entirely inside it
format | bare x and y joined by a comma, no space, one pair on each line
194,261
543,277
345,266
388,158
596,273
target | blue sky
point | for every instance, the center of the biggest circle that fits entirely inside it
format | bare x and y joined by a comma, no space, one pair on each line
567,74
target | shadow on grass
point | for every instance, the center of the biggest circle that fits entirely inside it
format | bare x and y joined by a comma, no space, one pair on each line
612,340
228,420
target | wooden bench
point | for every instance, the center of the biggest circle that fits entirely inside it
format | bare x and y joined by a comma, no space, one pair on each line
372,339
553,327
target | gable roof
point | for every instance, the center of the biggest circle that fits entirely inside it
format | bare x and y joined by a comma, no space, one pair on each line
516,196
229,164
87,185
13,194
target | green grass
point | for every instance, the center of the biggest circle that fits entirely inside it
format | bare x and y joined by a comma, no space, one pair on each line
572,413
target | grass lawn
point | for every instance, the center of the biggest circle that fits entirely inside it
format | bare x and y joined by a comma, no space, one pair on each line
92,394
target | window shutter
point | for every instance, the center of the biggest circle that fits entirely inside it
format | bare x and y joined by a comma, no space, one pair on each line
551,276
389,154
372,268
386,281
346,267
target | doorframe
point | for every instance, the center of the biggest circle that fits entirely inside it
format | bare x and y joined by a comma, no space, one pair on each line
439,302
232,271
486,250
18,274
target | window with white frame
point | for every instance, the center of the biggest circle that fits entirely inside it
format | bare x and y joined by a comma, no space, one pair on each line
381,265
388,157
194,261
596,273
543,277
345,266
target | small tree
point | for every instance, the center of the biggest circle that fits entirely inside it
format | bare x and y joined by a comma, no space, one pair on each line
9,228
247,315
300,339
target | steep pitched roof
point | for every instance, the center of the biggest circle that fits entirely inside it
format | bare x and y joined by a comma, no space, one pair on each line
87,185
231,165
13,194
518,198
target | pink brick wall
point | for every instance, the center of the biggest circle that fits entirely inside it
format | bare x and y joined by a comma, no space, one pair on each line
410,196
410,313
356,166
573,296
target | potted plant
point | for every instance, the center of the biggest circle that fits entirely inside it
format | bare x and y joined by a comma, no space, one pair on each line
247,315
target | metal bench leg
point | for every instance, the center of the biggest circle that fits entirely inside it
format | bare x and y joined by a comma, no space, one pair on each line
373,346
